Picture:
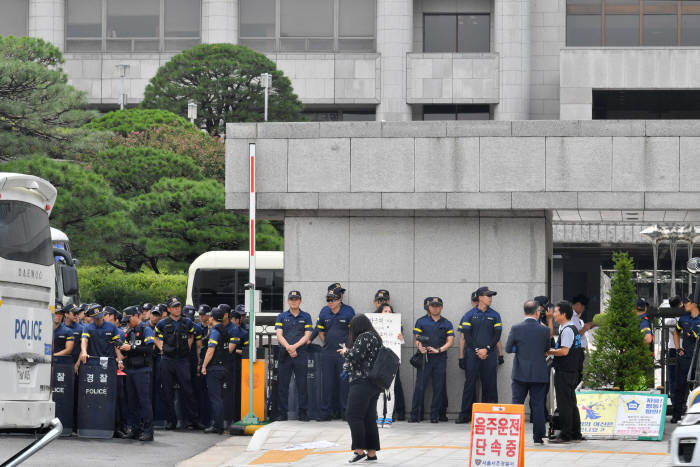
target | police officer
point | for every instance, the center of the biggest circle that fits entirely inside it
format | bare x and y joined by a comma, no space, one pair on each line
63,340
644,326
174,337
231,412
382,297
481,329
100,338
146,312
684,337
214,367
204,312
138,347
159,411
240,352
293,329
332,326
438,333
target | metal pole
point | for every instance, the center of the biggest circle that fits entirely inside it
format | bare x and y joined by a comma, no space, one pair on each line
267,78
691,244
673,249
121,92
251,418
655,251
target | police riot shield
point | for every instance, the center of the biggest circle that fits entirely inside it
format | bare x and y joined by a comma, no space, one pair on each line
63,383
313,381
97,386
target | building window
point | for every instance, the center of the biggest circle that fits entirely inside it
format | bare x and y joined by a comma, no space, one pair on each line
308,25
646,105
457,112
340,115
457,33
631,23
129,26
13,20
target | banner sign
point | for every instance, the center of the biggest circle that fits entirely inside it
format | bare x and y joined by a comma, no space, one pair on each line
388,326
626,415
497,435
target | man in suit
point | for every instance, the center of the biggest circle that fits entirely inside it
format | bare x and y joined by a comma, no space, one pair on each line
529,341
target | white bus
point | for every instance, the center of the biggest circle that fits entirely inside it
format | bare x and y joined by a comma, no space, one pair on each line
219,276
26,303
67,291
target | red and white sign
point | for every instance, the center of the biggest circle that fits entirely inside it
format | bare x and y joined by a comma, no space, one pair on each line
497,435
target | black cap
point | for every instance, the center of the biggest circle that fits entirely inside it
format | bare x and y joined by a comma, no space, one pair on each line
217,313
334,286
334,294
61,310
110,310
188,310
158,310
82,308
474,297
94,310
204,309
173,302
382,295
484,292
542,300
131,311
434,301
72,308
147,307
225,307
58,307
688,299
293,294
239,312
641,303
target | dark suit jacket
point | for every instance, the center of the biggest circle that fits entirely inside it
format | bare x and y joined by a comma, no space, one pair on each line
531,341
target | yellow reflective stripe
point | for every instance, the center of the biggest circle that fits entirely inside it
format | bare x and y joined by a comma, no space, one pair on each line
212,341
160,335
278,324
308,326
149,338
320,327
191,330
115,337
645,330
417,330
467,324
678,326
450,331
245,343
497,324
86,335
69,338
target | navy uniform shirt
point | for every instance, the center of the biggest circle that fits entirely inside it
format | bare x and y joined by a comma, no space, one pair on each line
77,330
644,326
234,334
102,339
687,327
293,328
438,331
481,329
242,338
335,326
189,325
61,336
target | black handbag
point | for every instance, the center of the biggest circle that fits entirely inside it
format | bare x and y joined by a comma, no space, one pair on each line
417,361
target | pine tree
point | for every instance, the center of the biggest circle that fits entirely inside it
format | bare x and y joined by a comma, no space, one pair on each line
620,359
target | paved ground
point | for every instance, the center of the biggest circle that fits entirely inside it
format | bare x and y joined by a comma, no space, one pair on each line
169,448
425,444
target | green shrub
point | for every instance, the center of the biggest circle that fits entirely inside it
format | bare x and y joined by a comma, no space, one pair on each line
108,286
125,121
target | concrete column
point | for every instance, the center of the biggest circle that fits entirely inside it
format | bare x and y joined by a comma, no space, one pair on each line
512,42
219,21
394,41
46,21
417,257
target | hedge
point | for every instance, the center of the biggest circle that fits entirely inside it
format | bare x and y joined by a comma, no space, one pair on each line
115,288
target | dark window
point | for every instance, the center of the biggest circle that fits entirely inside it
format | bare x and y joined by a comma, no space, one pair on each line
450,33
24,233
335,115
132,25
630,23
215,286
650,105
456,112
13,20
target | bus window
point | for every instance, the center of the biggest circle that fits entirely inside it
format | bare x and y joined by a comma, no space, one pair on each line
214,286
24,233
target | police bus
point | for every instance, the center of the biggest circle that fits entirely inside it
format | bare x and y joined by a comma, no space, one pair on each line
27,282
220,276
67,291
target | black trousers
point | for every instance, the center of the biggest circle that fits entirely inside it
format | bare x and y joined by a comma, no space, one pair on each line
538,392
565,383
681,389
362,415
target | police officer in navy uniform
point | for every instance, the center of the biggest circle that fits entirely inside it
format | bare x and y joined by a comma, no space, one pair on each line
138,363
100,338
230,414
685,337
63,340
174,337
204,312
214,368
332,327
240,351
440,337
146,312
293,329
481,329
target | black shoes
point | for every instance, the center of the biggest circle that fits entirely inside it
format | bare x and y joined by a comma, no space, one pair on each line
461,420
195,426
433,420
213,429
358,457
675,419
559,441
539,441
281,418
413,420
443,418
120,434
170,426
132,434
370,459
325,418
146,436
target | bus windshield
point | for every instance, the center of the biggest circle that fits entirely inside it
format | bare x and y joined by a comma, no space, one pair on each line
215,286
24,233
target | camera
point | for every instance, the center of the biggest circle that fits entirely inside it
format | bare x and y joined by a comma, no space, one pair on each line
424,340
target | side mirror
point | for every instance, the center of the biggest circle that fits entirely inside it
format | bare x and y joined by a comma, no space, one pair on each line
70,279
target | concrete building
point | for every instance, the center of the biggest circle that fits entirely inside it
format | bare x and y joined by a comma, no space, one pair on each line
422,208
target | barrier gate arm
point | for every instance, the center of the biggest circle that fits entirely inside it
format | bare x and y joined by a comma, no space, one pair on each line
36,446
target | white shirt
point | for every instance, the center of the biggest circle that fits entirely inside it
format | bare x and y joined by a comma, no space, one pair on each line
578,322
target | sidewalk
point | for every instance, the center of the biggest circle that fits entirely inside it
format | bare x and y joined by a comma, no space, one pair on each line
420,445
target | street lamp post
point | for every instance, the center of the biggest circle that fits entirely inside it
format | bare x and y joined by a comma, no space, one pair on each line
267,83
192,110
123,70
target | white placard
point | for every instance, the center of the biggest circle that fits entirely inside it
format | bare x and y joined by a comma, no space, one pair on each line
388,326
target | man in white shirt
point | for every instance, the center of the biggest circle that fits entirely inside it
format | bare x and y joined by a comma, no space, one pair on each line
579,303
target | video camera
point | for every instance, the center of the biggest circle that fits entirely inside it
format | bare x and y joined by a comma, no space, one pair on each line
424,340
